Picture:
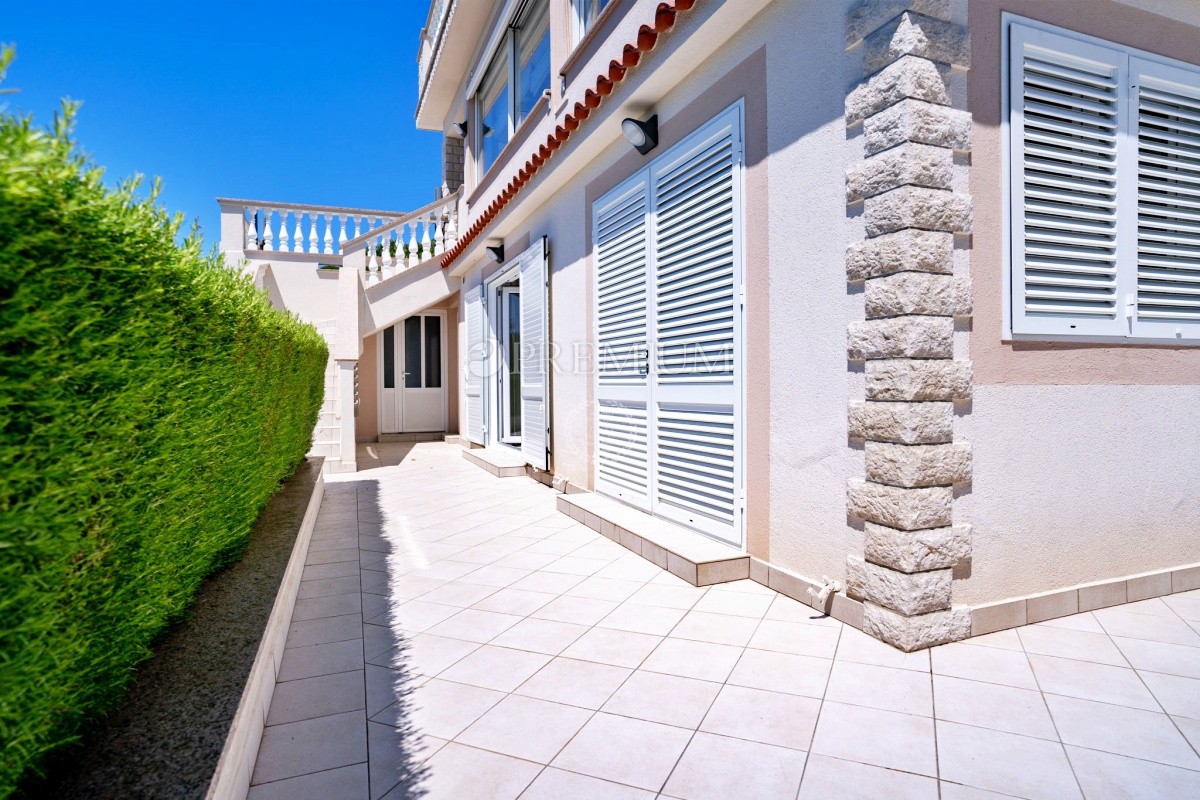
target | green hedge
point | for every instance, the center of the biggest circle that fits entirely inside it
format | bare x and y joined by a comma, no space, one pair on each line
151,401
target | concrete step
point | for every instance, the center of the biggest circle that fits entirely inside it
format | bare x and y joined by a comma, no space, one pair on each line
385,438
500,461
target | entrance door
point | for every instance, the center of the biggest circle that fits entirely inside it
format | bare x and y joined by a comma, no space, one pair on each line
510,364
669,318
413,359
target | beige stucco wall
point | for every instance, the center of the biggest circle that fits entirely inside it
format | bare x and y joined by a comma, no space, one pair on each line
1086,456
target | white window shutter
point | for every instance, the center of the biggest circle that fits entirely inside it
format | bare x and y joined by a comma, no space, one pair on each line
621,250
475,363
1065,121
1167,101
533,272
697,280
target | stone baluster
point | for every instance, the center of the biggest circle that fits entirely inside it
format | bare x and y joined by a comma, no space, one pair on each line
298,232
251,228
414,256
425,238
267,234
312,232
450,232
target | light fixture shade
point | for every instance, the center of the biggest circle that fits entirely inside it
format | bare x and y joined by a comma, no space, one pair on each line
643,135
461,128
497,251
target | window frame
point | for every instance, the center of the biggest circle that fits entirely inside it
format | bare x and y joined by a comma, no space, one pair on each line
1127,199
580,28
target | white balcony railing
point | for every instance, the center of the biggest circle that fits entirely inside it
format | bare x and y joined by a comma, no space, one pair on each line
439,11
408,240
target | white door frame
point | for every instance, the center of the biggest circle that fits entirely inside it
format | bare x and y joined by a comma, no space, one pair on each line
504,324
400,371
493,363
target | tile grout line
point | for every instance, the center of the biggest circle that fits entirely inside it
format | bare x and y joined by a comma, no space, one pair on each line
1061,744
820,708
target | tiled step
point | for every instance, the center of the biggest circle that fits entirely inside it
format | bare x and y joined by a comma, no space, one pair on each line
500,461
385,438
697,559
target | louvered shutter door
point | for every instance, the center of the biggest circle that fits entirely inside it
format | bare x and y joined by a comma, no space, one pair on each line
620,252
534,354
696,310
1065,119
1168,201
475,363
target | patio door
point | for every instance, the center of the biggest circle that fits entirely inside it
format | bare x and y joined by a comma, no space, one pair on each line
669,334
413,361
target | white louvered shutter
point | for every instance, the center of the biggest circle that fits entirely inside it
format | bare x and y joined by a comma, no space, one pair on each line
697,313
534,355
1065,118
620,252
475,363
1168,200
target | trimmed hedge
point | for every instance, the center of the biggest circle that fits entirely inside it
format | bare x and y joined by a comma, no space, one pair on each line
151,401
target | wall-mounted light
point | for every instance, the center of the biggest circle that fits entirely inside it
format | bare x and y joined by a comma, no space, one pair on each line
461,128
643,135
497,251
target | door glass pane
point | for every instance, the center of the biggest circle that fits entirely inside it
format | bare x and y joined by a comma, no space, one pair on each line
514,363
389,357
412,353
493,110
533,59
433,352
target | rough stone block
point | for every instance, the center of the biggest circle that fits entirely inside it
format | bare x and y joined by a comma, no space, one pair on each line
918,293
916,35
899,380
872,14
906,165
919,550
908,593
917,207
906,509
917,121
904,251
901,337
902,423
910,76
919,632
913,466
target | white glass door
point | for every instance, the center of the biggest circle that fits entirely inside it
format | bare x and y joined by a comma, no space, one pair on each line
510,364
413,387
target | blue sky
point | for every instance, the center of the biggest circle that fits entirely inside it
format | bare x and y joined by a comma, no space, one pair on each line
299,101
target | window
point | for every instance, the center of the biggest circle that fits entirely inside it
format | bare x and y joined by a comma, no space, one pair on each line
586,12
1104,219
516,78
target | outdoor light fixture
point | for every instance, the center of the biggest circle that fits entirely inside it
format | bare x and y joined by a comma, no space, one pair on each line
460,128
497,251
642,135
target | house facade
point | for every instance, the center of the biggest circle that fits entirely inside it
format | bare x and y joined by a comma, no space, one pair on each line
892,306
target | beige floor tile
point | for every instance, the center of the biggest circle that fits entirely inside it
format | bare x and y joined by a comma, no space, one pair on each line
457,593
321,659
557,784
785,720
579,683
394,758
1172,659
688,659
1105,776
496,576
1004,762
994,706
1190,728
785,609
669,699
467,772
499,668
782,672
319,696
718,767
1179,697
1185,604
619,648
548,582
417,616
795,637
1004,640
715,628
1085,622
344,782
629,568
1124,731
574,565
526,560
826,778
888,688
426,654
540,636
386,686
519,602
956,791
312,745
325,630
474,625
625,750
334,606
987,664
576,610
654,620
443,709
739,603
681,596
854,645
410,586
1064,643
525,727
1119,621
598,588
872,736
1118,685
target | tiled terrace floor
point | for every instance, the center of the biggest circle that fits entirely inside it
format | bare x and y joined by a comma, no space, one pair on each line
456,637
